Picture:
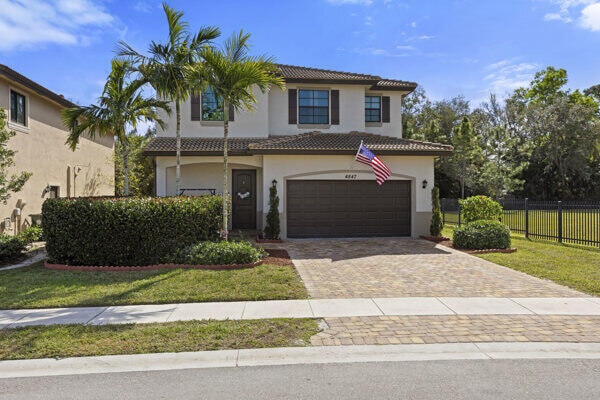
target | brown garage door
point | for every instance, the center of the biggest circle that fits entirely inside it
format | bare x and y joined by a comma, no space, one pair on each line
334,208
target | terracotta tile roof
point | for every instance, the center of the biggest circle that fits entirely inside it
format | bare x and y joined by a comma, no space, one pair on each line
345,143
162,145
14,76
304,143
293,73
394,84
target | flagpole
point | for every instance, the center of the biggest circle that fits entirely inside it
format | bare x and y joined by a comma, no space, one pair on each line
358,151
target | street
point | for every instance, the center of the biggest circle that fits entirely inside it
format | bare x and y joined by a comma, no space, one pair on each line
465,379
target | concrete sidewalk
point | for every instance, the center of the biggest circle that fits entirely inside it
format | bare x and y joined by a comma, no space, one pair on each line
313,308
296,355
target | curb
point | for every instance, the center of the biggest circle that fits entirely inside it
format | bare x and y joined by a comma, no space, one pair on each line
298,355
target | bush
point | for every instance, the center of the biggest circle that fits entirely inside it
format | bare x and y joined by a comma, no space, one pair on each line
32,234
437,224
476,208
126,231
219,253
272,229
11,247
478,235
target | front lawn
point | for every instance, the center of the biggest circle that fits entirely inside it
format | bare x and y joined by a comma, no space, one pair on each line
575,266
39,287
80,340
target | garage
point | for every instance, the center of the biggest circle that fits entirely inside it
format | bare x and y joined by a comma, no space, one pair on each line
340,208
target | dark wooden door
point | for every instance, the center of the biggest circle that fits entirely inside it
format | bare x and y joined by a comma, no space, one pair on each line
243,199
336,208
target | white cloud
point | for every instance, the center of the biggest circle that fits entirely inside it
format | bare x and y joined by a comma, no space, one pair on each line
343,2
425,37
505,75
585,12
590,17
26,23
405,47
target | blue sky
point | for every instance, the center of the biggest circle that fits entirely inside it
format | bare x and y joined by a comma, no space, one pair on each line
449,47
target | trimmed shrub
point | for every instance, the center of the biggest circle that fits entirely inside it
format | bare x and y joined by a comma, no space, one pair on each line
437,223
476,208
219,253
272,228
479,235
11,247
126,231
32,234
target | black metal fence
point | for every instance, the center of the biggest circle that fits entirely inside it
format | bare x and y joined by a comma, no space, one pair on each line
565,221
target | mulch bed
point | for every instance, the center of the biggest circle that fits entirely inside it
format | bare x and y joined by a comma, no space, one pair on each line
275,257
278,257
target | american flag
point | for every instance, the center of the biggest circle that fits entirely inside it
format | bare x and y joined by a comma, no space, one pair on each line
366,156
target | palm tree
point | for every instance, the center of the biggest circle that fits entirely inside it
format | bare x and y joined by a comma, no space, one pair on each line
166,67
120,107
231,73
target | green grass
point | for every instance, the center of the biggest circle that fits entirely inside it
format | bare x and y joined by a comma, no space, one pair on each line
79,340
574,266
39,287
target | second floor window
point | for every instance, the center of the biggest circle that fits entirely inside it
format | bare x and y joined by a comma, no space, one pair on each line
212,106
17,108
372,109
313,106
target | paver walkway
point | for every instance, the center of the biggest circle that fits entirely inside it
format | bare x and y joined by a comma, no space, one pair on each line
402,267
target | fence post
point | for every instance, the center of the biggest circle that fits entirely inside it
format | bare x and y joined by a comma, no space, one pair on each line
459,213
560,222
526,217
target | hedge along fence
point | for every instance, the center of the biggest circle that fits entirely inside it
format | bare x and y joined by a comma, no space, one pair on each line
126,231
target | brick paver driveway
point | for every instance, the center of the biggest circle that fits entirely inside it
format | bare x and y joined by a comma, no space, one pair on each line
401,267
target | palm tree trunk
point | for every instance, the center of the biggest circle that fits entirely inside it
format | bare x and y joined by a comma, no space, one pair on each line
125,146
225,169
178,149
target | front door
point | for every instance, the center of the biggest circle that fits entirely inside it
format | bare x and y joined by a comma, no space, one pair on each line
243,199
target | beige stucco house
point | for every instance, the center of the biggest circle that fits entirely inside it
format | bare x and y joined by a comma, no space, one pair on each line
303,140
34,113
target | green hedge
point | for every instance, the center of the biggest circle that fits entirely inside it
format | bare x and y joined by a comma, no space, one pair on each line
126,231
477,208
482,234
219,253
11,247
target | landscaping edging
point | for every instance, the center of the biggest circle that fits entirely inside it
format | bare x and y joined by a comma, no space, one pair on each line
262,240
484,251
154,267
444,241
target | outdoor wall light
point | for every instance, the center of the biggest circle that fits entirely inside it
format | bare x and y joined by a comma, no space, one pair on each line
424,183
274,182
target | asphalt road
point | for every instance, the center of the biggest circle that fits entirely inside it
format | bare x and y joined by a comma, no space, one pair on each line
481,379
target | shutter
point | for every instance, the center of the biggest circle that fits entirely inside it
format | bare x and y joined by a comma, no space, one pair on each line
231,109
292,106
195,103
335,107
385,109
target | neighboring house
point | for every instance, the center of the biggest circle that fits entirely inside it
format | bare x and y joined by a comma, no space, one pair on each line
304,140
34,113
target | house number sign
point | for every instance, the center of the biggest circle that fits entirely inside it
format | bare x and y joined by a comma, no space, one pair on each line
351,176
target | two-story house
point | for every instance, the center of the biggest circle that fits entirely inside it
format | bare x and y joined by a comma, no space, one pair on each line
34,114
304,140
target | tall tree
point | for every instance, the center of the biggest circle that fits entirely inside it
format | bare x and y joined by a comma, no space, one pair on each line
467,157
232,74
168,64
120,107
8,183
